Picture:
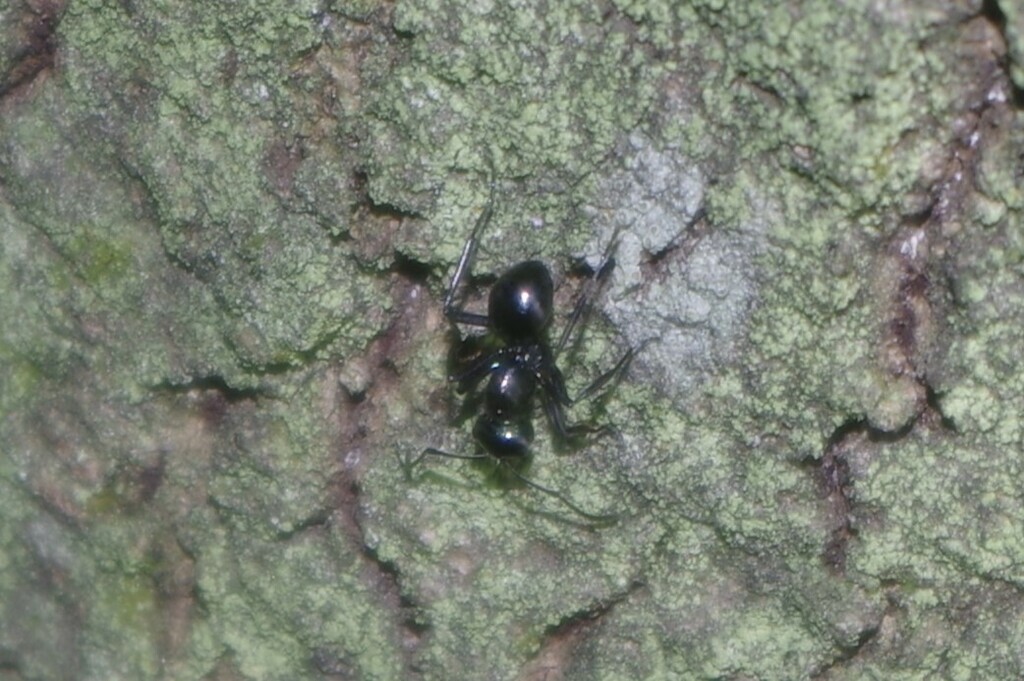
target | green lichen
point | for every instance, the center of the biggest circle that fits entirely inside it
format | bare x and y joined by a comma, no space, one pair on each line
219,364
832,158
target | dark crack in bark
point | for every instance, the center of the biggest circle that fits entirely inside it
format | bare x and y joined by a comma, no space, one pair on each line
835,480
368,384
848,654
174,580
563,639
920,294
833,474
993,12
375,227
35,52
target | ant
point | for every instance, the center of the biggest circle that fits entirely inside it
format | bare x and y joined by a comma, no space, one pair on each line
519,312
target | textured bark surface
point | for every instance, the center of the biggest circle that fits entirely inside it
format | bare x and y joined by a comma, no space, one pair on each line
227,230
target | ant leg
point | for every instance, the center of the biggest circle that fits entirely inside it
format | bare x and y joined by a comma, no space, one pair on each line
411,463
555,494
590,289
554,386
453,313
563,431
593,517
607,376
555,398
434,451
466,379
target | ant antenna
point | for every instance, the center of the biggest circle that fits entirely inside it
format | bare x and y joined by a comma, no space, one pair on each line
593,517
596,518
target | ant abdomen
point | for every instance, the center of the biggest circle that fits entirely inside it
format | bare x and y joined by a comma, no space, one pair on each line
504,439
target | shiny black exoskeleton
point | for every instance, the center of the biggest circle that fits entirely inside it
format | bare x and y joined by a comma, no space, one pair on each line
519,312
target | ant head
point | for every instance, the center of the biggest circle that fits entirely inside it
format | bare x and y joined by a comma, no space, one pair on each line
520,304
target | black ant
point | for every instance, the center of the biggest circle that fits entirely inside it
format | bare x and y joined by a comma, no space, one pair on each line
519,312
